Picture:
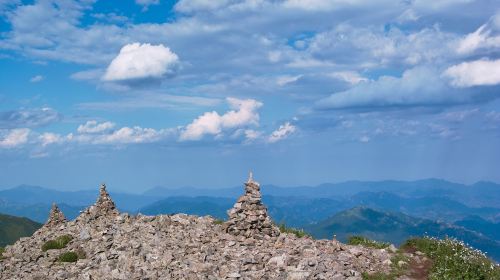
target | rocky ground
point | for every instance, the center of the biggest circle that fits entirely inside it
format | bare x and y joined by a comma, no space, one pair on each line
113,245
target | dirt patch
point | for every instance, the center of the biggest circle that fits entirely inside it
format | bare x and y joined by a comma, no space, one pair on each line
419,266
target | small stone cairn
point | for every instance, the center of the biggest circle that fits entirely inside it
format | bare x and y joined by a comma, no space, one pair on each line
248,217
56,217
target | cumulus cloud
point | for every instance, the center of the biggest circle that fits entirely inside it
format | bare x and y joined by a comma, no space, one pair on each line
14,137
282,132
95,127
141,62
420,86
28,118
36,79
483,72
129,135
190,6
244,113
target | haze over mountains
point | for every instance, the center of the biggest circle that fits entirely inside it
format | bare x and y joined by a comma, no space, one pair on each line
432,206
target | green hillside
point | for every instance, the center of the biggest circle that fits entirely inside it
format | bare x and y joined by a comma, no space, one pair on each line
396,228
12,228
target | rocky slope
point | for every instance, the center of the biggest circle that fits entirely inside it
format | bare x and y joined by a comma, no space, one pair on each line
113,245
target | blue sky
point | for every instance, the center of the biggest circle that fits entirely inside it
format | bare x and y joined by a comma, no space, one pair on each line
197,93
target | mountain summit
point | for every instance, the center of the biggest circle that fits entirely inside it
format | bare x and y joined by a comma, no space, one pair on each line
104,244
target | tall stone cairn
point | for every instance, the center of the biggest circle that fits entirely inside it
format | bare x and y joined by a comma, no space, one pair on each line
248,217
103,207
56,217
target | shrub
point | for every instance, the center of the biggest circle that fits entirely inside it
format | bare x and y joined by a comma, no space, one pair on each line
58,243
363,241
452,259
297,232
68,257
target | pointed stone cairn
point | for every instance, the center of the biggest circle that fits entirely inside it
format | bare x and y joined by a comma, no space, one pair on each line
248,217
56,217
103,207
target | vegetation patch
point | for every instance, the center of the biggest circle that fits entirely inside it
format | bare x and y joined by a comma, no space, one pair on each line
57,243
297,232
363,241
452,259
1,252
218,222
68,257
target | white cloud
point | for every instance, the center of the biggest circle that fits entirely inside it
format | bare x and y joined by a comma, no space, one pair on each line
147,2
95,127
282,132
351,77
190,6
36,79
364,139
49,138
287,79
14,137
481,72
244,113
418,86
487,36
141,61
28,118
128,135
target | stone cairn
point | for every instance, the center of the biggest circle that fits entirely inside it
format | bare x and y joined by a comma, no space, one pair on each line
103,207
248,217
56,217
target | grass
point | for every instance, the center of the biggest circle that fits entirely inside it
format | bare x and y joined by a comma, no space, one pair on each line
218,222
297,232
57,243
1,252
68,257
363,241
453,259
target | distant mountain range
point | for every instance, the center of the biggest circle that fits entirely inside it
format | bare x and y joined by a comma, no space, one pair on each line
429,203
396,228
12,228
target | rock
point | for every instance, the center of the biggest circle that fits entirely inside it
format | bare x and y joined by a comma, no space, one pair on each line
392,248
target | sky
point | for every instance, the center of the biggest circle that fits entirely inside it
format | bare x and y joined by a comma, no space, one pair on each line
149,93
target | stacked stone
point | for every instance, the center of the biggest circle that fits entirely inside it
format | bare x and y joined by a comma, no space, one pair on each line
56,217
248,217
103,207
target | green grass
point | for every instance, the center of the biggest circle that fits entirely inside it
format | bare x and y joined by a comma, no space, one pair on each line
57,243
218,222
1,252
297,232
68,257
452,259
361,240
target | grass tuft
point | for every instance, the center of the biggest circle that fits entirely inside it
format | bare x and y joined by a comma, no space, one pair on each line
297,232
57,243
363,241
68,257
